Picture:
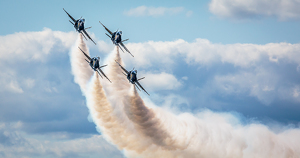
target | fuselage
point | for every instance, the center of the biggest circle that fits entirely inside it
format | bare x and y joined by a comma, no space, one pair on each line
94,63
79,25
131,76
116,37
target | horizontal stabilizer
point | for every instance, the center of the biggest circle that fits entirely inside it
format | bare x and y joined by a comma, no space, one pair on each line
71,22
125,40
107,35
102,66
141,78
88,28
86,61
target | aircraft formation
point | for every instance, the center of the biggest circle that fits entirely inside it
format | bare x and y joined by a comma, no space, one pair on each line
116,38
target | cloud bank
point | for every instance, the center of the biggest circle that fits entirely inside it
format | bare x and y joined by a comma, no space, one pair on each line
255,67
149,131
257,70
126,121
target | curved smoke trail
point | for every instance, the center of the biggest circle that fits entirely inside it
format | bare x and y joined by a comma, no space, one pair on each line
149,124
108,114
80,69
204,138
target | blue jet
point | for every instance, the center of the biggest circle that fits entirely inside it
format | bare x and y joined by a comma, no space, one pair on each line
116,38
132,77
94,63
79,26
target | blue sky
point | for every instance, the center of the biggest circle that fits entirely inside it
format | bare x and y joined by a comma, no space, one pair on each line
201,24
197,56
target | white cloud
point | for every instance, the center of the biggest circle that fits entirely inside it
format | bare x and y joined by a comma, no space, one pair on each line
34,46
26,47
29,82
161,81
189,13
203,52
156,11
259,83
244,9
256,75
15,143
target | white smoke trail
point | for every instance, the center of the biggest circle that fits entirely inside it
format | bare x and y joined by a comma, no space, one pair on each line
149,124
80,68
109,116
200,137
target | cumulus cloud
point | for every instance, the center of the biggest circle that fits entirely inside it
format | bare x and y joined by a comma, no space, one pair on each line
156,11
260,83
160,81
203,52
34,46
15,143
243,9
255,70
36,80
254,74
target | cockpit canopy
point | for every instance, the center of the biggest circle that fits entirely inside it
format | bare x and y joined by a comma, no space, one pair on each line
82,20
119,32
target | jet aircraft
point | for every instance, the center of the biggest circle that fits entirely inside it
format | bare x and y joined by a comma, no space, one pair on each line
132,77
79,26
94,63
116,38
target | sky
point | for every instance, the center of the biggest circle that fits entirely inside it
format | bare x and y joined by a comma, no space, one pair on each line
223,56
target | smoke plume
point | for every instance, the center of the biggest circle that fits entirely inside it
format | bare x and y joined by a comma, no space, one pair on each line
80,68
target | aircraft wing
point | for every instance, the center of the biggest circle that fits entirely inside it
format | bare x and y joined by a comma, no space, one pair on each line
122,68
104,74
137,82
121,43
86,55
106,29
69,15
88,36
